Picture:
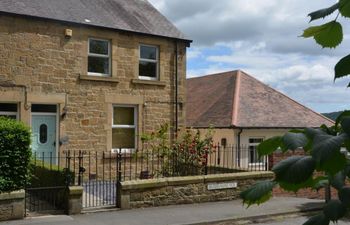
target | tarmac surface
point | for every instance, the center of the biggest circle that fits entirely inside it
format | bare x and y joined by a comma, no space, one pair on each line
230,212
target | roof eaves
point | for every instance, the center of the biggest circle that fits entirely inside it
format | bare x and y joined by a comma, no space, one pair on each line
187,41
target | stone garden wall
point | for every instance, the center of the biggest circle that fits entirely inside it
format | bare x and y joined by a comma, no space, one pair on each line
12,205
186,190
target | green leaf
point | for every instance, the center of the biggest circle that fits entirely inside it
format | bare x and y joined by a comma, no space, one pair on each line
320,184
296,187
322,13
318,220
341,116
344,196
295,169
338,180
293,141
269,146
328,35
258,193
326,152
345,124
344,8
342,68
312,132
334,164
334,210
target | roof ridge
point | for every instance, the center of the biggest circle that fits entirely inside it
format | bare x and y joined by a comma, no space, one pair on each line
214,74
236,97
273,89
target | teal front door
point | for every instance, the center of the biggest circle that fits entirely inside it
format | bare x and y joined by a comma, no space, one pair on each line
44,137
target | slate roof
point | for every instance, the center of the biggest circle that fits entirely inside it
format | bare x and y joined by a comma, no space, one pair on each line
128,15
236,99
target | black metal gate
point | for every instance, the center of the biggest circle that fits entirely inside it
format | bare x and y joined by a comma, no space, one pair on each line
97,172
99,175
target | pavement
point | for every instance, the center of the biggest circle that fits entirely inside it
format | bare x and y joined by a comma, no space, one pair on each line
204,213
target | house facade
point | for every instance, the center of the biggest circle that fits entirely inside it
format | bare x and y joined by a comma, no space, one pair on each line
243,112
90,75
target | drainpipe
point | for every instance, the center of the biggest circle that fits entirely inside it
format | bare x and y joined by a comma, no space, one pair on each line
239,146
176,88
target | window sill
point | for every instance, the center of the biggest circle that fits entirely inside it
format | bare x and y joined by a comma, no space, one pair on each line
98,78
149,82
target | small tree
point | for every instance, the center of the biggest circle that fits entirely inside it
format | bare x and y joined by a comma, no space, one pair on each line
15,155
327,149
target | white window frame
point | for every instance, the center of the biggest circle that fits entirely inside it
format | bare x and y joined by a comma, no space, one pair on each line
149,60
100,56
126,150
5,113
254,145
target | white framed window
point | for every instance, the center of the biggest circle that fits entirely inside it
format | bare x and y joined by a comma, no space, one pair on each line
9,110
124,128
149,62
99,57
253,151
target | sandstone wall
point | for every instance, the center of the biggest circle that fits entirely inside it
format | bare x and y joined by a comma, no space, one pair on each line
36,54
185,190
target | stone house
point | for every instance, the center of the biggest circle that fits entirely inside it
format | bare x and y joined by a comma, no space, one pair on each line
243,112
90,74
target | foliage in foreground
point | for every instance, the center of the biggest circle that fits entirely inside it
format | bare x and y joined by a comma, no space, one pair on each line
326,149
14,155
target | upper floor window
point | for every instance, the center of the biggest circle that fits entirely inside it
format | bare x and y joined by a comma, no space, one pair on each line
99,59
149,62
8,110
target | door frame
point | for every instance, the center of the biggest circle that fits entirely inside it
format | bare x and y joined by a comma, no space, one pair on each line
57,127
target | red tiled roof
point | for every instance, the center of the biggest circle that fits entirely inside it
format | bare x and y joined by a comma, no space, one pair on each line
235,99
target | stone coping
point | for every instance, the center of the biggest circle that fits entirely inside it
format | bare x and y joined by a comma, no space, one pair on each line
12,195
149,82
175,181
76,190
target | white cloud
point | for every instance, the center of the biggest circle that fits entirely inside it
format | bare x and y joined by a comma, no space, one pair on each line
261,37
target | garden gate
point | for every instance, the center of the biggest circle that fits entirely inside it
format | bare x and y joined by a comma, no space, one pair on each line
97,172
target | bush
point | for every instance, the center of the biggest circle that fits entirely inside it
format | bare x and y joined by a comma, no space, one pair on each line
44,175
15,155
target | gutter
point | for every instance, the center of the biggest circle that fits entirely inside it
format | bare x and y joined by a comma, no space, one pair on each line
176,88
239,146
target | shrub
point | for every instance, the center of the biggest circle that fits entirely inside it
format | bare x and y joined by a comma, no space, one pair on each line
44,175
15,155
187,156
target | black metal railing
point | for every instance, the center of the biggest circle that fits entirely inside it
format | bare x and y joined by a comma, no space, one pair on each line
145,164
99,172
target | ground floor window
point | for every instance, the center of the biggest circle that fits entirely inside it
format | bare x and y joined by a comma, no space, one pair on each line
124,128
9,110
253,152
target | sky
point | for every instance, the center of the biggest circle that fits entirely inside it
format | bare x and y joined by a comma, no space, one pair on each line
262,38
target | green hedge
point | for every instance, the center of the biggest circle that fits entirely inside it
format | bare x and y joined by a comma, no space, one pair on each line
45,175
15,154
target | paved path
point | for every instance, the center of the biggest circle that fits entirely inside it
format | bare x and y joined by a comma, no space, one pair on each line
180,214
